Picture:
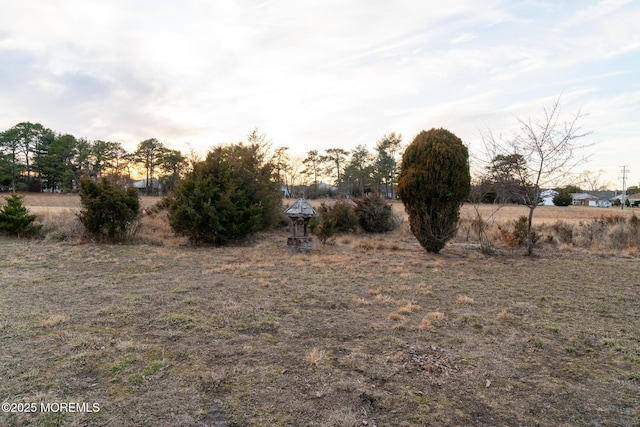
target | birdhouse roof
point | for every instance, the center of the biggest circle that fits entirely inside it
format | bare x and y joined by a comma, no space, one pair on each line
301,208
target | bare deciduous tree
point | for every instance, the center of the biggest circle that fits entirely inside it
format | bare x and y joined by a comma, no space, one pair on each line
549,147
592,181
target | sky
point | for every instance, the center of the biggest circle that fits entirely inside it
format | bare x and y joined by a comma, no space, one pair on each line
323,74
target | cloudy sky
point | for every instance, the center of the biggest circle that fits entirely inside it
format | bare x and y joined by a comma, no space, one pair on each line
322,74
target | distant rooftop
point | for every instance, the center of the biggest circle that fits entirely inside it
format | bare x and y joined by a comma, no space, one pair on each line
301,208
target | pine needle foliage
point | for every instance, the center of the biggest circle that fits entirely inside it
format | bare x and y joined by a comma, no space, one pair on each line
434,181
16,219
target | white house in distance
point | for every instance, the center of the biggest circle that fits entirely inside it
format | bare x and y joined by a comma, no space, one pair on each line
547,197
584,199
600,199
633,199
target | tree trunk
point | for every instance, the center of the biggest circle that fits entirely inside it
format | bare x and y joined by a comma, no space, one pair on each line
530,241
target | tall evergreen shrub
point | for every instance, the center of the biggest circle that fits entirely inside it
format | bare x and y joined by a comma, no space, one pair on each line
434,181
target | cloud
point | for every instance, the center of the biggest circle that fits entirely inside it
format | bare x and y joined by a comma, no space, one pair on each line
321,74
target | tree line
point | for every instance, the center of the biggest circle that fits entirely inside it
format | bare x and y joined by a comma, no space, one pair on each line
36,158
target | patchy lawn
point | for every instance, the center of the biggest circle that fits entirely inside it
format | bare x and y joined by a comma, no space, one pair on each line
369,331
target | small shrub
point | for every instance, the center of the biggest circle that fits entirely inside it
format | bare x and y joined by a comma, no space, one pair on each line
375,214
16,219
323,226
564,232
518,235
344,215
108,211
226,197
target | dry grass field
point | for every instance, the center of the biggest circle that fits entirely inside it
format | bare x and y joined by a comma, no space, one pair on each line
367,331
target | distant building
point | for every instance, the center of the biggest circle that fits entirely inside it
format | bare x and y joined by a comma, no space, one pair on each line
154,184
601,199
547,197
584,199
634,199
284,191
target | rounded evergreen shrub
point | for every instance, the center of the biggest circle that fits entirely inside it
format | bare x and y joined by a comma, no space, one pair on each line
434,181
375,214
563,198
109,212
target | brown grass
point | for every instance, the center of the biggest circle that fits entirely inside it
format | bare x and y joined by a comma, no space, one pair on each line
170,335
464,300
435,315
315,356
55,320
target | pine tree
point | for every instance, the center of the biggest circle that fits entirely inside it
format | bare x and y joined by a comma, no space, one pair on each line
16,219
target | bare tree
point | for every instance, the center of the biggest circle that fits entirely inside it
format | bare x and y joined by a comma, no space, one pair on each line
293,172
592,181
549,148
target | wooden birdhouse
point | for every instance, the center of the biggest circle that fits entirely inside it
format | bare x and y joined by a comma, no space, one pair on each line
300,213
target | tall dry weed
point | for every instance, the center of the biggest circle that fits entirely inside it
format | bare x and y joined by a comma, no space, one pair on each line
60,225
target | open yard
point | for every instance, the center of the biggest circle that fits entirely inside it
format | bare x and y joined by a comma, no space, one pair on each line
370,330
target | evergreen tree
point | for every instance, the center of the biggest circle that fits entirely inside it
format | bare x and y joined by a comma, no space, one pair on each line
434,181
16,219
229,195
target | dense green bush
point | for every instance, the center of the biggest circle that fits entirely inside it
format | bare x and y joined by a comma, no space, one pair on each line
16,219
228,196
375,214
108,211
434,181
563,198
